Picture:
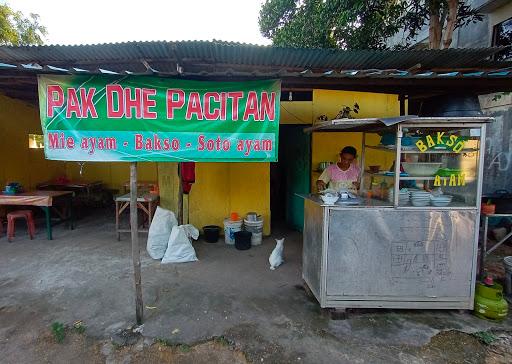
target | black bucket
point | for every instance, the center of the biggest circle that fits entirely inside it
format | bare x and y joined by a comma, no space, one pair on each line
243,240
211,233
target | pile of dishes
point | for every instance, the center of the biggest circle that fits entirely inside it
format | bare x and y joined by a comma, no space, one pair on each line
420,198
403,196
329,198
441,200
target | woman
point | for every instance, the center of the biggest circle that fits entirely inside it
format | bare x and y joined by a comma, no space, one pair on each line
343,175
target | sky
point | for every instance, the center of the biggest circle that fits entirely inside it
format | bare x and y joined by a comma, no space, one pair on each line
106,21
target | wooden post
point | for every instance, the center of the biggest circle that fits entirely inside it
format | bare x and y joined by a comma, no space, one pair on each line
135,243
180,197
401,99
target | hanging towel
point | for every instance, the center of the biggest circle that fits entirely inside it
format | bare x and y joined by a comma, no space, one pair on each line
188,175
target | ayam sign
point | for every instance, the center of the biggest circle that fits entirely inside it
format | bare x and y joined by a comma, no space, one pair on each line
128,118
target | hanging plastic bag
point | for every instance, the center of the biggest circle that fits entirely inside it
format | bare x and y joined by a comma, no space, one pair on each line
159,232
179,248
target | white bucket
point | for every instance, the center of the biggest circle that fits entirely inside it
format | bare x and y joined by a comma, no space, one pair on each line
254,227
256,238
508,274
230,228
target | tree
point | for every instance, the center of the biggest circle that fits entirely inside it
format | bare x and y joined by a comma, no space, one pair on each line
359,24
16,29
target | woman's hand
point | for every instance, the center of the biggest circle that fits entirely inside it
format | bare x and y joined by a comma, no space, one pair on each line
356,184
320,185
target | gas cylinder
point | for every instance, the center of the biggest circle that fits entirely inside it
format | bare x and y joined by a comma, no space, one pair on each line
489,301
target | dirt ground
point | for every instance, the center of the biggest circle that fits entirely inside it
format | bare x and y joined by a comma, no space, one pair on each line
445,347
226,308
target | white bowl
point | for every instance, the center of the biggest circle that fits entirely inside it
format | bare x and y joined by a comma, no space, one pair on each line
329,199
440,204
421,169
420,203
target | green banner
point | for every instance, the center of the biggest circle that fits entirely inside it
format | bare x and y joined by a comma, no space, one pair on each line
143,118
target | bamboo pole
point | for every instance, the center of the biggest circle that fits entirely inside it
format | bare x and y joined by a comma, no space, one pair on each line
135,243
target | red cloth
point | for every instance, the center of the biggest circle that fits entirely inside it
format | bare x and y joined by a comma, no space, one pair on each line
188,175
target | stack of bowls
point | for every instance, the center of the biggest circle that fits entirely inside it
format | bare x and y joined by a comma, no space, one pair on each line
420,198
403,197
441,200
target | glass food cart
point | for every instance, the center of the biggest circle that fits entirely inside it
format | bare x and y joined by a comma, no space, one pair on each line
410,238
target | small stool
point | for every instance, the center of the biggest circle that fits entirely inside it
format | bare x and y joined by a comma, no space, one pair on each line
20,214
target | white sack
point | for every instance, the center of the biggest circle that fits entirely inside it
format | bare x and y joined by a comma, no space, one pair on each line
179,248
159,232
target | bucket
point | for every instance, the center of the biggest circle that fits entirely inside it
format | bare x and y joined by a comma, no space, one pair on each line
230,228
253,226
256,238
243,240
508,274
211,233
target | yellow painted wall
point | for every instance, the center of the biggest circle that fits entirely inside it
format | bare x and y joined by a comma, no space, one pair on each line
221,188
296,112
112,174
326,146
18,162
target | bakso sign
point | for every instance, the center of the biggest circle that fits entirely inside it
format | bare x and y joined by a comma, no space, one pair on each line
127,118
452,142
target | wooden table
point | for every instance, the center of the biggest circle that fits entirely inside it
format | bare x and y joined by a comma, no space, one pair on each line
147,202
75,186
47,201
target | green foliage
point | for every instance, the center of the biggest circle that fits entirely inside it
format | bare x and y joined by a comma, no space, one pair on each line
164,342
353,24
222,341
79,327
184,348
59,331
18,30
485,337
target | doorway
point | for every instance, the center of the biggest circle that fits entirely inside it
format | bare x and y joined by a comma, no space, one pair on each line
290,176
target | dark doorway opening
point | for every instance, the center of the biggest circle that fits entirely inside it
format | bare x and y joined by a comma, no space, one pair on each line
290,176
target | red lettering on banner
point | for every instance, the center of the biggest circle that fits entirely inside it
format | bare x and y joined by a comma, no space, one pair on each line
175,144
208,113
73,105
135,103
148,103
174,104
53,139
223,105
88,107
54,98
251,107
111,111
157,143
268,106
70,143
200,143
167,145
194,106
138,142
235,96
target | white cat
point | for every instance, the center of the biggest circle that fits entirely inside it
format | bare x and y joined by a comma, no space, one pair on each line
276,258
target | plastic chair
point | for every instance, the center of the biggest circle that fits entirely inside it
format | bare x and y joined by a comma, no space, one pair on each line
20,214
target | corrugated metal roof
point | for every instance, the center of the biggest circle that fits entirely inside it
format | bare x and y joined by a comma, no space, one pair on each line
169,69
226,53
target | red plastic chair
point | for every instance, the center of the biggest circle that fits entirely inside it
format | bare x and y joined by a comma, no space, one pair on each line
20,214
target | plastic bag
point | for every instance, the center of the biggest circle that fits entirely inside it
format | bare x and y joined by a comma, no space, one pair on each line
159,232
180,249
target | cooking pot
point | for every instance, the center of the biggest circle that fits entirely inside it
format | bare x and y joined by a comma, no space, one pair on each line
502,199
